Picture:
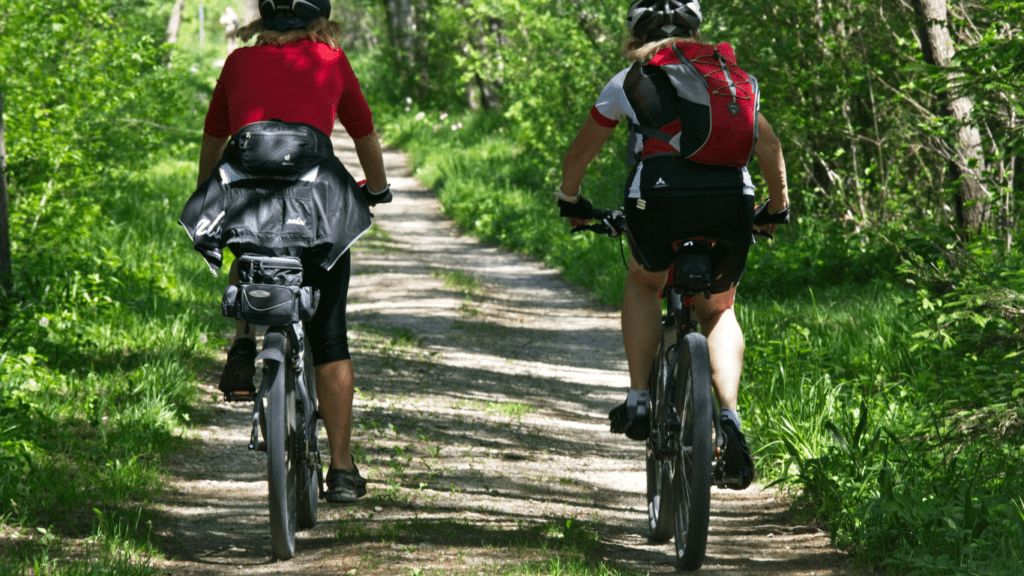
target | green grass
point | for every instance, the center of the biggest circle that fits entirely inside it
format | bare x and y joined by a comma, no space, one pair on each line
461,281
112,318
99,369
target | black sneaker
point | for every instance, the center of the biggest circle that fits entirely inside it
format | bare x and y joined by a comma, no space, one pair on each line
344,486
625,421
236,379
739,466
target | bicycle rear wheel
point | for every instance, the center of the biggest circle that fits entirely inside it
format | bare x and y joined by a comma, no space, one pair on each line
281,466
309,468
659,468
692,467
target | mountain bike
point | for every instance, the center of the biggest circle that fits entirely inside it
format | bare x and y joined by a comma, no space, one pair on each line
285,420
686,443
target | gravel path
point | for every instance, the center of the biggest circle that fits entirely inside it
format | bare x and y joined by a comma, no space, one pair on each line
484,383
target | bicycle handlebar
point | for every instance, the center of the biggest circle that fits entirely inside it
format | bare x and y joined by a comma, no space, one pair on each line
613,223
610,223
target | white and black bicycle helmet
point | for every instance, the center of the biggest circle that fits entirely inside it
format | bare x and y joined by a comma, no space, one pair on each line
654,19
289,14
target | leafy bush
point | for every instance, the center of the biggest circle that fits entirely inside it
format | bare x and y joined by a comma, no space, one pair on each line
110,317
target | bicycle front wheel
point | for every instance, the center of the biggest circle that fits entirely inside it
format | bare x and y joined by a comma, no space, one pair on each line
281,465
659,468
692,466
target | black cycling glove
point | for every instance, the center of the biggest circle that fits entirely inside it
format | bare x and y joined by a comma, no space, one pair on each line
582,209
762,216
374,198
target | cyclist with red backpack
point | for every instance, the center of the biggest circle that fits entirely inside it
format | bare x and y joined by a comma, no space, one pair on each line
694,123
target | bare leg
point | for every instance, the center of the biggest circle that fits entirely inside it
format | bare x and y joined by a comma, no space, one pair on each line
725,344
641,321
335,388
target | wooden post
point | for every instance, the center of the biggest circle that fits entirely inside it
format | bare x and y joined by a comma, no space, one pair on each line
174,23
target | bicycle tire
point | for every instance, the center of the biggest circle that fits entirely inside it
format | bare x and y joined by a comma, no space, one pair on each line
308,481
281,480
659,469
692,466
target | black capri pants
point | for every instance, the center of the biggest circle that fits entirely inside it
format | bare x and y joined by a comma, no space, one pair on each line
328,330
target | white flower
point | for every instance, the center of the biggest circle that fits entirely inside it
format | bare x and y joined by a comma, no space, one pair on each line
421,115
202,338
44,321
408,99
444,115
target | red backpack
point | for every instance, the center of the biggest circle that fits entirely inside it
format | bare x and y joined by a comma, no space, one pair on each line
707,76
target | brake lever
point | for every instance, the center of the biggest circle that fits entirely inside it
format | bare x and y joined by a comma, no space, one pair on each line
609,224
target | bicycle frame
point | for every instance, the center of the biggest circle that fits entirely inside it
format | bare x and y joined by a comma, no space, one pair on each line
285,419
681,314
685,445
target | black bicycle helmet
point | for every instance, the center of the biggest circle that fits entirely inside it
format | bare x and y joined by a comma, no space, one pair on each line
275,13
654,19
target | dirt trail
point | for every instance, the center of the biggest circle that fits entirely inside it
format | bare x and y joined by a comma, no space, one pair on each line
484,383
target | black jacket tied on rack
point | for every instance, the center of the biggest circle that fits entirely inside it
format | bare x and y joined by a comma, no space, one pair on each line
278,190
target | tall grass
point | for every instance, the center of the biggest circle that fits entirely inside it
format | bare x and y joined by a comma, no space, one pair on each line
99,359
107,328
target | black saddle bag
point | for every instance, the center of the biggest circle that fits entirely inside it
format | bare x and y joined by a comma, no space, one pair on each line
276,148
693,272
270,292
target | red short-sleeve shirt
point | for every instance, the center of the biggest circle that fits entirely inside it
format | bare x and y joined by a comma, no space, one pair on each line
304,81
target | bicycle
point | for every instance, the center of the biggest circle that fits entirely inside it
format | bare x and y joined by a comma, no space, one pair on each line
685,446
285,409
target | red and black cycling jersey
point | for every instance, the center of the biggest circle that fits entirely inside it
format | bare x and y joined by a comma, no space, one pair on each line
303,81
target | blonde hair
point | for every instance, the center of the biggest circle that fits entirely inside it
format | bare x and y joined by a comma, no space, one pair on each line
320,30
635,48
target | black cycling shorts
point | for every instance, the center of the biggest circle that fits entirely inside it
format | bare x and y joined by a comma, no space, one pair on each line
328,331
654,228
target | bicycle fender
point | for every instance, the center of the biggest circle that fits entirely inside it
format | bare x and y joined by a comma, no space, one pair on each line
274,344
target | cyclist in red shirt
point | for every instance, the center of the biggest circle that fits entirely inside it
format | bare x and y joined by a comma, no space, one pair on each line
297,73
667,198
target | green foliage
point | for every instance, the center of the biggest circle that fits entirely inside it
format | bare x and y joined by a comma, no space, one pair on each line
971,297
109,320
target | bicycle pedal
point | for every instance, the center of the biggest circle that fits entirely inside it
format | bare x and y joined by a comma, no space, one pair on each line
240,396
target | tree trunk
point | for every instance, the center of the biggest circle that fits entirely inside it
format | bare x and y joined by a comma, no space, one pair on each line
966,164
174,24
402,24
6,278
412,48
